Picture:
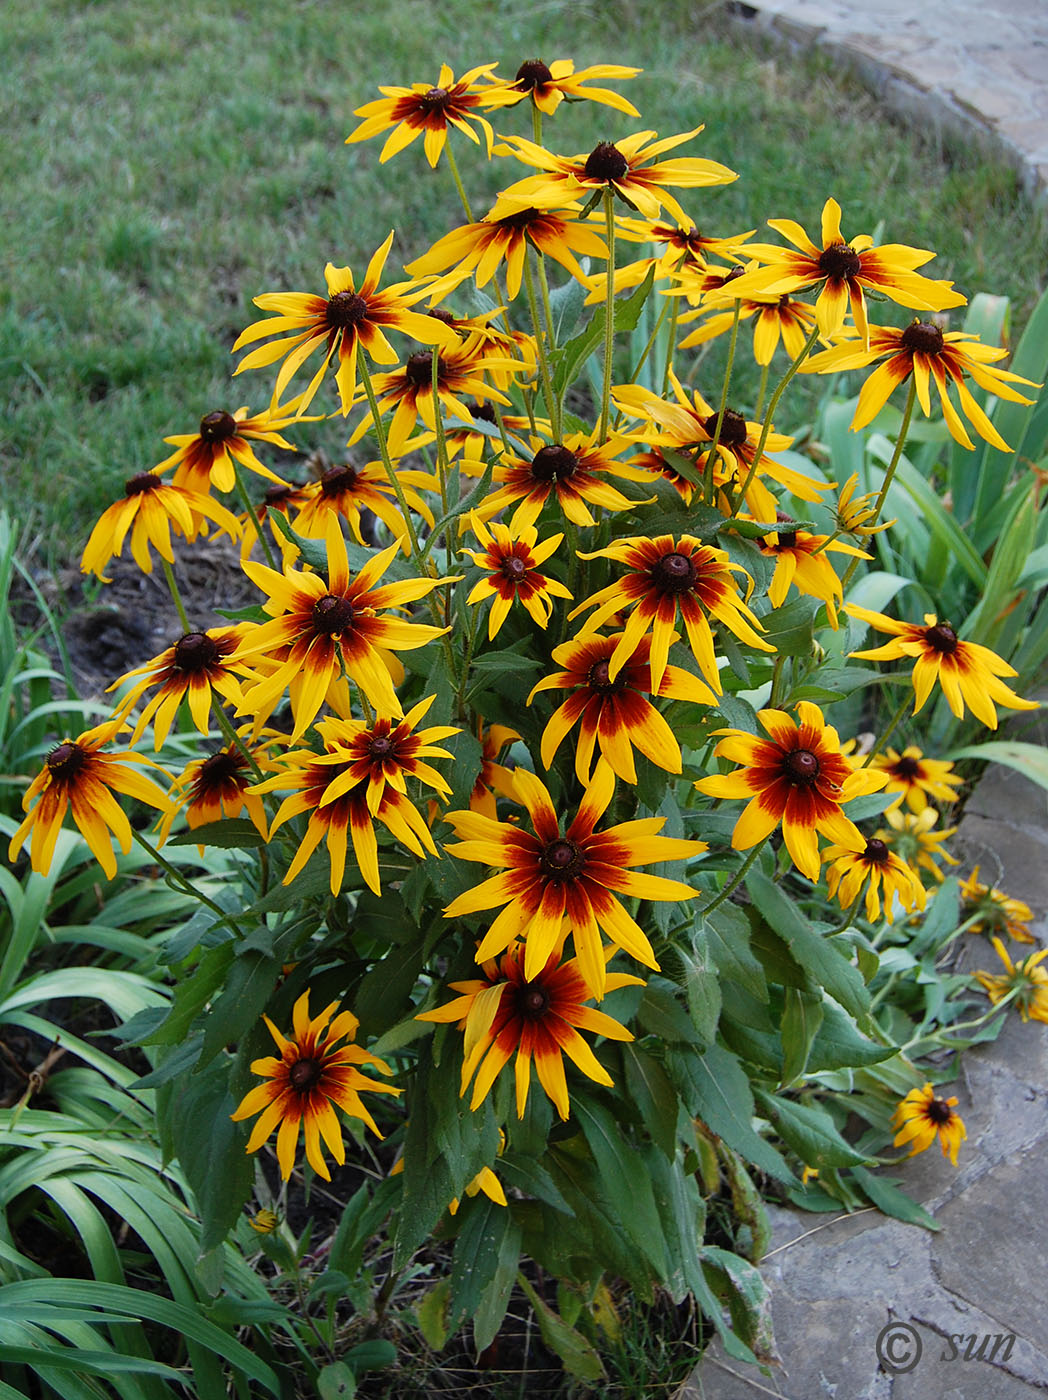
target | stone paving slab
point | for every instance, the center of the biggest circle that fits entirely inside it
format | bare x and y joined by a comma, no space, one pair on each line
976,70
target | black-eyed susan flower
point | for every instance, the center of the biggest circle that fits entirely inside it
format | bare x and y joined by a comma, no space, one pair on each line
548,86
844,269
775,319
346,489
346,318
683,248
797,776
668,577
929,354
910,835
1026,982
320,629
615,715
854,515
801,560
428,111
358,779
218,787
207,457
312,1077
151,509
508,1013
847,871
278,500
574,472
549,876
494,778
512,559
968,673
78,777
915,779
627,167
195,669
922,1116
997,912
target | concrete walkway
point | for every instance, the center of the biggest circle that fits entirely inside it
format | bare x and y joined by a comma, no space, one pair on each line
974,68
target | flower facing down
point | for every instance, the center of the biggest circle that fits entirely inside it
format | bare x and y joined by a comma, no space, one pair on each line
922,1116
1026,982
507,1013
307,1083
997,911
797,776
150,509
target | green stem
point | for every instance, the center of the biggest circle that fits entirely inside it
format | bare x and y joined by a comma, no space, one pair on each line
651,342
762,390
895,719
671,347
971,1025
185,885
540,346
609,315
233,738
387,461
453,167
442,449
536,123
169,574
547,311
900,442
848,916
776,679
245,501
740,875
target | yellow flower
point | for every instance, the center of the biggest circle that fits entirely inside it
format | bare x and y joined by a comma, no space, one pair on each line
915,778
922,1116
511,559
848,870
150,508
422,110
206,458
800,559
548,87
998,912
911,836
854,516
1028,980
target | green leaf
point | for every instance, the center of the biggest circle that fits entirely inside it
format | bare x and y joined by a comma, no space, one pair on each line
887,1197
810,1131
431,1314
660,1014
1031,760
791,628
649,1087
373,1355
336,1381
476,1257
628,1193
568,360
702,986
801,1019
230,834
494,1301
716,1089
742,1287
728,932
578,1356
192,995
838,1043
816,954
246,994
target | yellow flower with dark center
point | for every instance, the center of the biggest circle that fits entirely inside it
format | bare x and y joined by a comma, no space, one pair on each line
684,248
797,776
196,669
1026,980
847,871
345,490
844,269
549,876
494,777
801,559
574,471
912,837
509,1012
218,787
150,509
307,1083
343,320
998,912
968,673
922,1116
77,776
628,168
421,110
206,458
776,318
278,500
512,559
358,779
321,629
915,778
930,355
615,715
855,515
667,577
503,236
548,86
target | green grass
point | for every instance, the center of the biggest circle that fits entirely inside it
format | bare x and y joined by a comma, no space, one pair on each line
163,164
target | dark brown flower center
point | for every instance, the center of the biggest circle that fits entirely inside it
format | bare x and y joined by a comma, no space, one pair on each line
337,480
674,573
279,495
522,219
733,431
840,261
531,74
444,317
483,411
942,637
419,369
140,484
801,767
332,614
513,568
922,336
605,162
305,1075
380,746
221,768
939,1112
345,310
553,463
906,767
66,760
598,676
435,100
217,426
562,860
532,1001
877,850
196,651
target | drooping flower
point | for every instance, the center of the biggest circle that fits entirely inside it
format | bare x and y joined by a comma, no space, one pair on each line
508,1012
77,776
615,715
196,669
968,673
799,777
911,836
1026,981
511,559
207,457
346,318
422,110
915,778
998,912
548,86
847,871
667,576
854,515
307,1083
844,269
929,354
151,508
575,874
922,1116
345,490
801,559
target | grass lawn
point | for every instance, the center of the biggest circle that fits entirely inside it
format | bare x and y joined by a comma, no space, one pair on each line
165,163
